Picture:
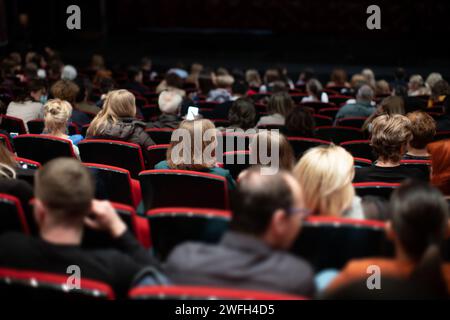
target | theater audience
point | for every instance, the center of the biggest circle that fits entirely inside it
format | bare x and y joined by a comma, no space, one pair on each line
56,116
61,218
82,102
184,153
67,90
253,79
325,174
271,76
440,166
172,82
242,114
382,88
267,216
390,106
443,122
117,120
280,104
300,123
418,227
338,79
363,106
135,78
315,92
390,138
69,73
439,92
28,104
266,141
423,128
169,103
416,86
222,92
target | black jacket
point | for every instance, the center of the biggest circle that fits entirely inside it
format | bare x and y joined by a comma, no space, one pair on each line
128,130
240,261
171,121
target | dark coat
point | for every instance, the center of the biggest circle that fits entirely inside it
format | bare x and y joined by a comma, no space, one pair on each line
128,130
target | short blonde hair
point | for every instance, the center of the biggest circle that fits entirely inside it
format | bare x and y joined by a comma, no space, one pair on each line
57,113
390,135
169,101
224,81
326,174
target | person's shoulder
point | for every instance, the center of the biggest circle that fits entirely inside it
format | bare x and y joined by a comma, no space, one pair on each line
189,254
220,171
287,261
162,165
14,240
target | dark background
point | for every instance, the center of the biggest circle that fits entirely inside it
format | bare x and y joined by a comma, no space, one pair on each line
242,33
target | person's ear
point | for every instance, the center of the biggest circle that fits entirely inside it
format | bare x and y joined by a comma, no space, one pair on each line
40,212
389,230
278,223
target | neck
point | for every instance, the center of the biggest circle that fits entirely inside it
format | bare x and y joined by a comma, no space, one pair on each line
418,152
61,235
386,163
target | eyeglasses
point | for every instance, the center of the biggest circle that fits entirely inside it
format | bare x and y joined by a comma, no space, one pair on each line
302,211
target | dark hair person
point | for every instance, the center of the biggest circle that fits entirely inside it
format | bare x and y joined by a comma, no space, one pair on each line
418,227
242,114
300,123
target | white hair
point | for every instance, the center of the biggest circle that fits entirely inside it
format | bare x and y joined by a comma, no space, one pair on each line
69,73
169,101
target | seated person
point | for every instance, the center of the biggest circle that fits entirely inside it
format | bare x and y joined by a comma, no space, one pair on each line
280,105
117,121
222,92
443,122
28,104
390,137
315,92
242,114
363,106
135,77
300,123
419,225
267,215
326,174
423,128
440,166
169,103
64,203
56,116
82,102
238,91
185,153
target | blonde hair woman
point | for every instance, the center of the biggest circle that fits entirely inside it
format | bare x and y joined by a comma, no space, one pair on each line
56,118
185,153
116,121
326,175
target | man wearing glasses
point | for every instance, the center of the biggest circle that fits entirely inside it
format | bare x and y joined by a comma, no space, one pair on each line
267,216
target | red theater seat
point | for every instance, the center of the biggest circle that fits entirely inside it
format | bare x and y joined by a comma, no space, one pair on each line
156,154
183,188
29,285
13,217
205,293
115,153
339,134
301,145
160,135
12,124
379,189
355,122
37,127
42,148
5,140
359,149
173,226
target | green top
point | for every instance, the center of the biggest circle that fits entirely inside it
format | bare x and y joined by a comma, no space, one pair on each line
216,170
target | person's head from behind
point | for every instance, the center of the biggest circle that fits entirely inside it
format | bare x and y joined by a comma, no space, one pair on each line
135,74
301,122
65,90
253,78
271,148
169,102
423,128
326,175
269,207
118,104
146,64
338,77
69,73
390,137
382,88
400,74
85,89
392,105
271,76
280,103
173,80
419,226
365,94
242,114
440,165
224,81
440,88
97,62
239,88
56,116
64,191
8,163
314,88
205,81
186,153
432,79
415,82
34,91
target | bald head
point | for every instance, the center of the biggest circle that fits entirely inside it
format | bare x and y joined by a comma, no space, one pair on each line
259,196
